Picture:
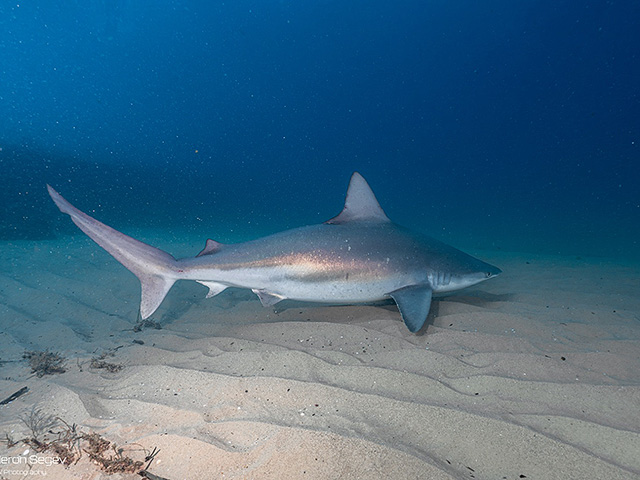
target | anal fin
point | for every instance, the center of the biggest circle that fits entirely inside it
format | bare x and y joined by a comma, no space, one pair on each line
214,288
414,303
267,298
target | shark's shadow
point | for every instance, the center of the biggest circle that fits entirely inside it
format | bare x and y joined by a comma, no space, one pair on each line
475,298
189,295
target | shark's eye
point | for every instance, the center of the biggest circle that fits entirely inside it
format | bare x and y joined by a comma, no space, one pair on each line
488,274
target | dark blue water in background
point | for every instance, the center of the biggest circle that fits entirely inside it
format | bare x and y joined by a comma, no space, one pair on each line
495,124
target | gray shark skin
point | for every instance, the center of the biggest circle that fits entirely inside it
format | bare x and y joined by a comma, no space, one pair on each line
358,256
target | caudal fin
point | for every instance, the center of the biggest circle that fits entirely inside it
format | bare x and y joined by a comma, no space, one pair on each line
156,270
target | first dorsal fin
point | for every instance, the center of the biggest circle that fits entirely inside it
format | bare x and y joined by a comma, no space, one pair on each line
211,247
360,204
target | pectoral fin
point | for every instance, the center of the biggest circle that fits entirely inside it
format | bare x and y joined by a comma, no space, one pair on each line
414,303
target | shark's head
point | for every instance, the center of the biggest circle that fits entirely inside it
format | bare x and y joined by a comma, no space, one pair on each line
467,272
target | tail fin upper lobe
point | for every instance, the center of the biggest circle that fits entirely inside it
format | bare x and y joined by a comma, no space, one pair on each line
156,270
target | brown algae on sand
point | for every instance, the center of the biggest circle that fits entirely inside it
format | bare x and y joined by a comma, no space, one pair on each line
45,363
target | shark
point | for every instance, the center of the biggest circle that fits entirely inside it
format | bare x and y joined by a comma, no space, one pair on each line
358,256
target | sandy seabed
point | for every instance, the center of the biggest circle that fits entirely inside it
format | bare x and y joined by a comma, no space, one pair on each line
534,374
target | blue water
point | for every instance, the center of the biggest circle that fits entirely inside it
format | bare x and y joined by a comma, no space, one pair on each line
489,125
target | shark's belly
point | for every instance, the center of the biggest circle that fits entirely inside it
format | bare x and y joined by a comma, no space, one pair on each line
333,291
305,285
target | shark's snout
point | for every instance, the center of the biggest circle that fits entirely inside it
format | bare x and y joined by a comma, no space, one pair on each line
467,274
492,271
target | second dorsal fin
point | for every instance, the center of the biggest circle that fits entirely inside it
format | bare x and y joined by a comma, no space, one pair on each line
211,247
